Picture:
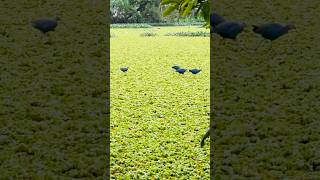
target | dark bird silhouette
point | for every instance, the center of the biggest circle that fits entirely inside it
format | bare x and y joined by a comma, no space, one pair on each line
45,24
272,31
215,19
124,69
207,134
176,67
181,70
194,71
229,29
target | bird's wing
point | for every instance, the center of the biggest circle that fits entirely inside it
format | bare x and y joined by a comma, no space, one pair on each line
236,28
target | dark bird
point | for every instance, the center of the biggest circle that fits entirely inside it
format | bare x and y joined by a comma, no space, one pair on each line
124,69
194,71
176,67
272,31
181,70
207,134
229,29
45,24
215,19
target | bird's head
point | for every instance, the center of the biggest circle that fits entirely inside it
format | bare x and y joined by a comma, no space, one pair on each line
57,18
290,26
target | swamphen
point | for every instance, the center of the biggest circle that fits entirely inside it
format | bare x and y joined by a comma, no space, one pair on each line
272,31
176,67
181,70
215,19
124,69
194,71
45,24
229,29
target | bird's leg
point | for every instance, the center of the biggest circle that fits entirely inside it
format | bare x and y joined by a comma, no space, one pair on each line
20,49
275,54
42,37
218,42
270,45
46,38
214,43
222,42
258,45
241,45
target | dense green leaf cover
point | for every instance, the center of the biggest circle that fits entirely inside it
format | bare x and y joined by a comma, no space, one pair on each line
52,91
266,102
157,115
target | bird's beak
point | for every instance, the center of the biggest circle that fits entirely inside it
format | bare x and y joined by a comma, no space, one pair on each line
291,25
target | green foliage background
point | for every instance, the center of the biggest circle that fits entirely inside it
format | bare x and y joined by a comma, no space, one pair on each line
145,11
187,7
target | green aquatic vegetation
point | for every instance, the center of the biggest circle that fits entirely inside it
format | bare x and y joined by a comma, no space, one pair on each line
148,34
192,34
266,100
157,115
132,25
50,92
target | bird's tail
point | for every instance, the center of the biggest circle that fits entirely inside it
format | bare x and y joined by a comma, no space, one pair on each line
255,28
32,22
212,29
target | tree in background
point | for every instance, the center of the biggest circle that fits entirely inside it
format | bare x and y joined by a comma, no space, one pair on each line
147,11
187,7
135,11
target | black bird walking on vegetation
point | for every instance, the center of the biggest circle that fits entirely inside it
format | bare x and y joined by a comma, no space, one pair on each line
229,29
215,19
124,69
175,67
181,70
45,24
194,71
272,31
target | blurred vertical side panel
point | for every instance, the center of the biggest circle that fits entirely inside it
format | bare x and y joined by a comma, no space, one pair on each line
212,94
265,91
53,89
107,112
